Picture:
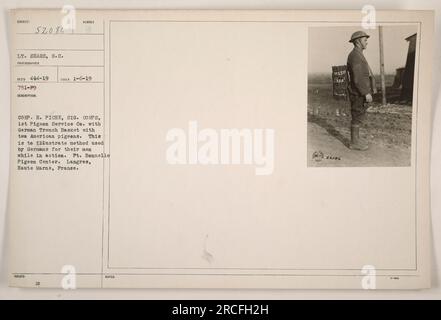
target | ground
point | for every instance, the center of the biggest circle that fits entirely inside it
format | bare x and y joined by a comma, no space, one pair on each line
387,129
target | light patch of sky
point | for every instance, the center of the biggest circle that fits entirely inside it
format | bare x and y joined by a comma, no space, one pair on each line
329,46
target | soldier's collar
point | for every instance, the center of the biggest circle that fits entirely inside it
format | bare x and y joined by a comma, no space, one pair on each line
358,49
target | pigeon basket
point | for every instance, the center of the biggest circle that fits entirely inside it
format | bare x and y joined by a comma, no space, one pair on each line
340,82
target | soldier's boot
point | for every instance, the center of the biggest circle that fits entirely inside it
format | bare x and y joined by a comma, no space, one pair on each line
356,144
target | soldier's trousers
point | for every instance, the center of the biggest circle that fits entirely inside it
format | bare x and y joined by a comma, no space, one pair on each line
358,109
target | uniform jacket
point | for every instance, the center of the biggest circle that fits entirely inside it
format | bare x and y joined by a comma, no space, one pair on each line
361,79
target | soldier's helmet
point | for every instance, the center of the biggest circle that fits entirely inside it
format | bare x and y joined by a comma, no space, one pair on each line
358,34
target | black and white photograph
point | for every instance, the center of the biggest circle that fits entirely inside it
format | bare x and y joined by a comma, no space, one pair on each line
360,95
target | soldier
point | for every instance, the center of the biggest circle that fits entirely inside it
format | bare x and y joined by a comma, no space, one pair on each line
361,87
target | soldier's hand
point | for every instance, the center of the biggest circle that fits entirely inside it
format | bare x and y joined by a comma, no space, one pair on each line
368,98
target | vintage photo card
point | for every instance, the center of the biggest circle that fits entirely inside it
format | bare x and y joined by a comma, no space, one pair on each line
220,149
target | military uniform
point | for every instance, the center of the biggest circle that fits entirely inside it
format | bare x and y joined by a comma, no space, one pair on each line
361,83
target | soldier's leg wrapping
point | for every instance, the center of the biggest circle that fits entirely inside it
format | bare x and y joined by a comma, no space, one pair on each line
358,109
358,112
